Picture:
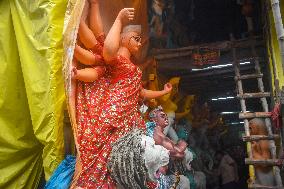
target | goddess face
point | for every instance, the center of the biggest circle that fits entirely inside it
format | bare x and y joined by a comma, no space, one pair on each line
253,129
132,41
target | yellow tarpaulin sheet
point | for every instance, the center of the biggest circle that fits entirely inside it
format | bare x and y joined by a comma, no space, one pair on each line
275,49
31,90
32,86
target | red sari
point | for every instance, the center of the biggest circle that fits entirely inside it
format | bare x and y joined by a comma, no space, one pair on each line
106,110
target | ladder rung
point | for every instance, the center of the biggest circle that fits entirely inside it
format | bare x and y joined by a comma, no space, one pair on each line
254,114
269,162
249,76
259,137
254,95
258,186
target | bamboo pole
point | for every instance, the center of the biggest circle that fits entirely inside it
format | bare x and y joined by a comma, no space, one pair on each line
244,109
264,104
272,58
267,162
275,74
279,27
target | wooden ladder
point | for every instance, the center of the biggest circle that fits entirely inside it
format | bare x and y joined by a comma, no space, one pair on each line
262,95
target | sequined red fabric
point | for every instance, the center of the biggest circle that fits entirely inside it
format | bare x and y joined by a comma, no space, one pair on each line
152,185
97,50
106,110
276,116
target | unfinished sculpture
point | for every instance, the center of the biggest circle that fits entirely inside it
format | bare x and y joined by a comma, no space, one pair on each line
160,121
91,38
178,152
134,158
260,151
170,108
187,107
107,105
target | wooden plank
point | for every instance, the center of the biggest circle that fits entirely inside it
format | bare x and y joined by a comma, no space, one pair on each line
186,63
227,71
254,114
173,55
259,137
268,162
254,95
222,45
249,76
258,186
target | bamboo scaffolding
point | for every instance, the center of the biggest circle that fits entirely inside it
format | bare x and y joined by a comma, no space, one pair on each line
270,50
279,27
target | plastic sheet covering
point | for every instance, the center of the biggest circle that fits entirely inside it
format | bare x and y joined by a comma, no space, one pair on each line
62,176
275,49
31,90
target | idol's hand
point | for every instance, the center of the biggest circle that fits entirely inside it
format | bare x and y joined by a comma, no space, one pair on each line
126,15
85,11
74,72
168,87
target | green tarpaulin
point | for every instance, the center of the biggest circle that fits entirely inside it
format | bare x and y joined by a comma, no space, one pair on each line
31,90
